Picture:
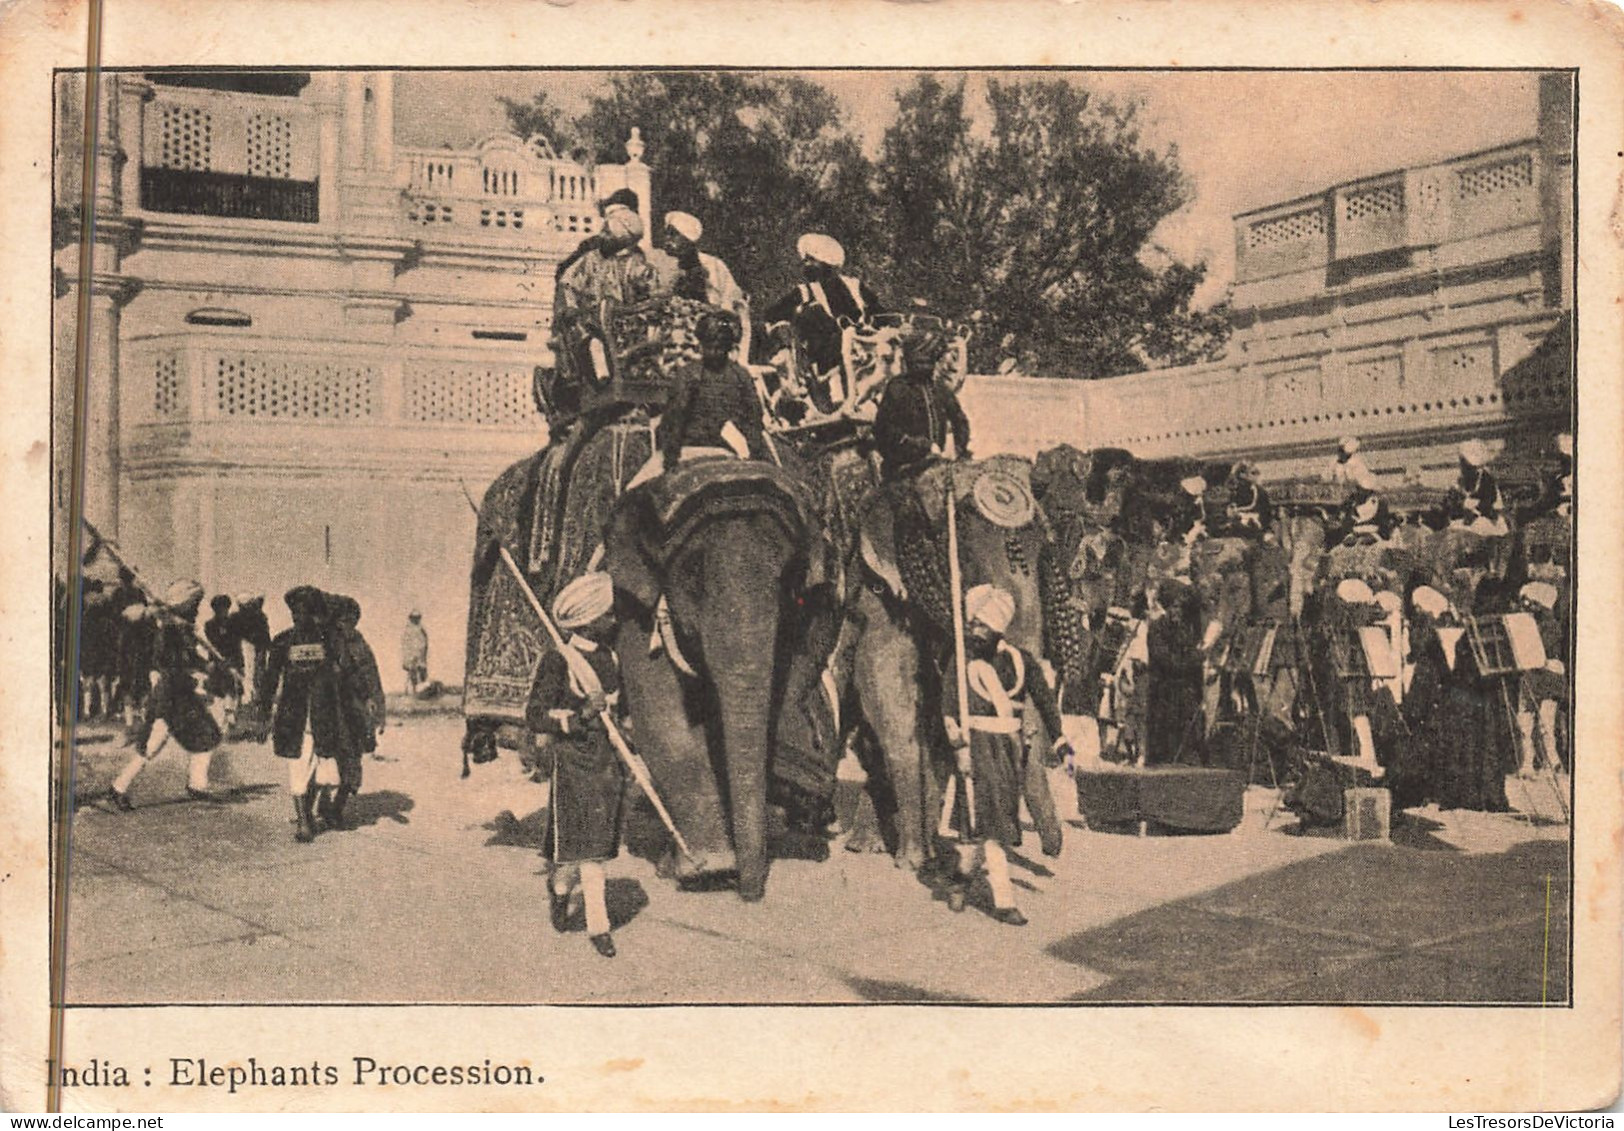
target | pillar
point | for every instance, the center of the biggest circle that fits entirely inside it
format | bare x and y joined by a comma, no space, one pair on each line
1556,183
355,112
383,122
637,179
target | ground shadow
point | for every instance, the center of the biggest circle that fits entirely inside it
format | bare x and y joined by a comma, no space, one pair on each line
623,898
508,831
385,804
1372,923
879,990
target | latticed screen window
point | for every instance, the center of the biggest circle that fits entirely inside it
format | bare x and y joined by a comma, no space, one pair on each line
165,386
270,146
1503,176
1291,228
294,388
186,137
1370,203
468,394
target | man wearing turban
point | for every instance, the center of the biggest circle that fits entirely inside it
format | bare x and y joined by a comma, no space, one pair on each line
1480,508
615,269
176,706
918,413
305,681
568,701
825,302
690,273
1001,680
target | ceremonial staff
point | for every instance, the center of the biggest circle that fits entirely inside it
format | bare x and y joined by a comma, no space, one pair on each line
147,591
586,677
955,585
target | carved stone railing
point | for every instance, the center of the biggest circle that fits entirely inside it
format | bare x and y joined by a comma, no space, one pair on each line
185,384
1392,213
1475,378
504,189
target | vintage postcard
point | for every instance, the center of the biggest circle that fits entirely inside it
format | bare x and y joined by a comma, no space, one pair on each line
1007,556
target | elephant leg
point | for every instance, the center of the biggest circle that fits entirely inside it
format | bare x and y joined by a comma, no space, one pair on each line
1040,803
678,756
887,671
874,824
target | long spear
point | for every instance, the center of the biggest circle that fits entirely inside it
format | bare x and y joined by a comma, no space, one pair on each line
955,585
152,597
586,677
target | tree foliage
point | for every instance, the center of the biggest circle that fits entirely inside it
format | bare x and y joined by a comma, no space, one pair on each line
1032,213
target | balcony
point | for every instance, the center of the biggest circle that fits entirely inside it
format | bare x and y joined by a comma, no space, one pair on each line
505,191
229,154
229,195
1382,220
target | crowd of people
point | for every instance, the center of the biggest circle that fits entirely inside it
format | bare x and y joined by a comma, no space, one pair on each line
315,688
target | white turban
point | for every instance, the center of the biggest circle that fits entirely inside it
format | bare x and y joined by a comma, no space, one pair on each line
992,606
583,600
824,249
1354,591
1475,453
183,593
623,225
133,613
1541,593
1564,443
1350,444
1194,485
1364,478
685,225
1430,601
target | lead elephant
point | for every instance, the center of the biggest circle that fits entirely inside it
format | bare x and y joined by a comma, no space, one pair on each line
724,627
897,627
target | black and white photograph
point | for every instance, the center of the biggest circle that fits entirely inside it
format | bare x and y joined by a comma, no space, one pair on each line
566,543
820,536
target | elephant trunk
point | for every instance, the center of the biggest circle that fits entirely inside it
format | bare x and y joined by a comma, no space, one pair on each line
744,690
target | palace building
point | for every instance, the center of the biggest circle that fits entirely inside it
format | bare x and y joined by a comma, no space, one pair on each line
304,339
1412,308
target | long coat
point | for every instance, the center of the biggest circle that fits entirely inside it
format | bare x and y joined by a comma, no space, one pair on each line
304,665
584,806
176,697
1461,737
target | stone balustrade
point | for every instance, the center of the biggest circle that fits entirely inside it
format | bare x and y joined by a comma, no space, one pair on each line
179,391
1390,214
503,189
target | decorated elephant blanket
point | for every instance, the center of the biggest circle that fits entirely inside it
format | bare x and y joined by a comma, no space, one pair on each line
549,511
695,493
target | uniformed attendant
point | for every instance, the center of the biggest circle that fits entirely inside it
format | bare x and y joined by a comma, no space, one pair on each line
176,706
1544,691
304,681
364,708
567,702
251,628
1251,514
1349,466
825,301
1189,521
1479,507
225,680
998,676
918,414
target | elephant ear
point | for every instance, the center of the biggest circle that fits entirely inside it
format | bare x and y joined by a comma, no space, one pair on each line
626,556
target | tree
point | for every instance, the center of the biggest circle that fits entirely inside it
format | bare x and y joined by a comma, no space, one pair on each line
539,116
758,158
1038,216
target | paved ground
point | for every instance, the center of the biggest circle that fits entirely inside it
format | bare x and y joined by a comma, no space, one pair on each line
438,895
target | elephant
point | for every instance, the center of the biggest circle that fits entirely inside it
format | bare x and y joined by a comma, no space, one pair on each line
717,564
896,615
